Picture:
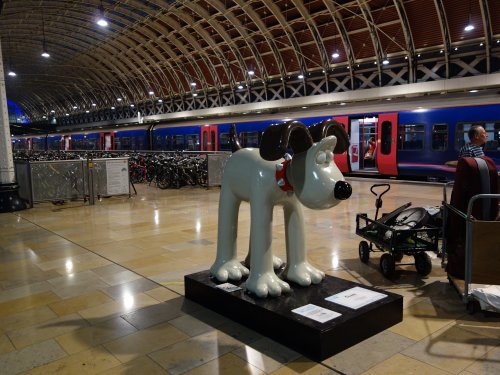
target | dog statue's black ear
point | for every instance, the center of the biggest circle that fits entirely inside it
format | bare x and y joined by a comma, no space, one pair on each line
278,137
233,139
329,127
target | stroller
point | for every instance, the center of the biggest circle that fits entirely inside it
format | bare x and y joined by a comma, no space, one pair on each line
404,231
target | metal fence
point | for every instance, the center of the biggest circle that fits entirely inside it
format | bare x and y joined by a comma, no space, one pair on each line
41,181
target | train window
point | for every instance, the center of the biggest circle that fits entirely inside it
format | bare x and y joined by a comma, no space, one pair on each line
411,137
205,141
178,142
249,139
193,142
493,130
169,142
439,137
386,138
157,142
224,144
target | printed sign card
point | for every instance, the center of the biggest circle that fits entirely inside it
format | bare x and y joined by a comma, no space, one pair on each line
356,297
316,313
228,287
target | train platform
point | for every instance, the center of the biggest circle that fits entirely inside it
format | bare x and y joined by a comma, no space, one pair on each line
99,290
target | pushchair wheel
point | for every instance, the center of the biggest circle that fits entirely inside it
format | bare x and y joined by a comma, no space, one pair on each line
423,263
364,251
473,307
398,256
387,265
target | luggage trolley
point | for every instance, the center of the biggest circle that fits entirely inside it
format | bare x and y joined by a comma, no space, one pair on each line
397,233
479,289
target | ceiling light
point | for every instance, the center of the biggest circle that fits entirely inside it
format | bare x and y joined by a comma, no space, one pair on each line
240,87
335,55
251,72
112,107
193,84
119,99
300,76
94,105
101,20
151,93
195,94
474,91
12,73
469,27
160,101
75,107
45,54
132,106
385,61
87,111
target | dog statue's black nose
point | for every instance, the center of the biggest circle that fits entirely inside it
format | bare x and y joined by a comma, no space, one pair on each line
342,190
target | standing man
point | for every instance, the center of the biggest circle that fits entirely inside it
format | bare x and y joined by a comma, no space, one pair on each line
477,137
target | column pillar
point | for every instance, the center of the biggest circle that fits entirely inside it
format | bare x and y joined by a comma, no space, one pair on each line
9,196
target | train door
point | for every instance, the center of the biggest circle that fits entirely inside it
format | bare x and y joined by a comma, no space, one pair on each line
386,144
65,143
363,148
106,141
209,138
341,159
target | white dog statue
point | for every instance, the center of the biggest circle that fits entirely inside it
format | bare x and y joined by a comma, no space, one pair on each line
263,178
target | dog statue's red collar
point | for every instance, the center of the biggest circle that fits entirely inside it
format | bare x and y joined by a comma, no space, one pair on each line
281,179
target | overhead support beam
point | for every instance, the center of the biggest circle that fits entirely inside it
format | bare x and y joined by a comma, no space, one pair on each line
445,32
379,54
410,46
486,18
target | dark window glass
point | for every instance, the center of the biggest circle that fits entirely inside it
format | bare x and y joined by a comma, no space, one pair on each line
224,144
439,137
205,141
249,139
212,139
493,130
179,142
386,138
193,142
410,137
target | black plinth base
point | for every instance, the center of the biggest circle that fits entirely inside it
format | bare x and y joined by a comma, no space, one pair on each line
273,317
9,198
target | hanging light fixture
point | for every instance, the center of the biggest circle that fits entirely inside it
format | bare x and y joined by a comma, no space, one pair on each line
101,20
10,72
45,54
469,26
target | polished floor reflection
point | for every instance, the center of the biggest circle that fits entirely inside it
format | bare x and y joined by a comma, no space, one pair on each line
99,290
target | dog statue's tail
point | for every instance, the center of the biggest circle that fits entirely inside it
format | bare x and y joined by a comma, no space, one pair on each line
233,139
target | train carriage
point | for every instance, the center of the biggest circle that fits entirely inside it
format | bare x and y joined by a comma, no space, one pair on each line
416,142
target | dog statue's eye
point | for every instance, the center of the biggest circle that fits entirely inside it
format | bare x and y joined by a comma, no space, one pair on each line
329,156
321,157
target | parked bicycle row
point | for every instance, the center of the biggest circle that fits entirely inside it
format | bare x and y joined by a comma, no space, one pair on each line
165,169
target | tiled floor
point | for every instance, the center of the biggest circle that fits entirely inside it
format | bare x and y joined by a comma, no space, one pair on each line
99,290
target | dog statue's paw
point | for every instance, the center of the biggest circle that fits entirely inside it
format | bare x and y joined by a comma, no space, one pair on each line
267,284
277,262
230,270
303,274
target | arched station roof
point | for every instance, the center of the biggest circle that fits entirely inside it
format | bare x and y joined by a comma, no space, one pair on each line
167,56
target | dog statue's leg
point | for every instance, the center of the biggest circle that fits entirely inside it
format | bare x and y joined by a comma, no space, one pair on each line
262,280
298,269
226,264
